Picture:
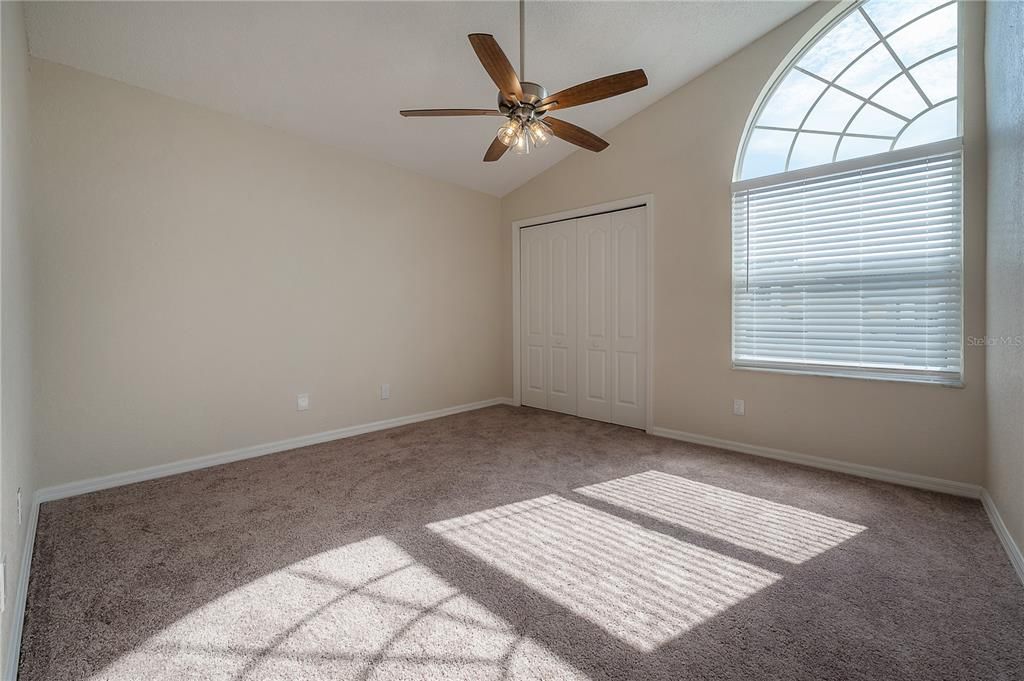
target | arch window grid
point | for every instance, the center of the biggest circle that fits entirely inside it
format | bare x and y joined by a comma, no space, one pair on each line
850,134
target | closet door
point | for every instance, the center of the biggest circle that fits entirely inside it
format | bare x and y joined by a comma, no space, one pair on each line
629,317
533,319
584,317
593,248
560,357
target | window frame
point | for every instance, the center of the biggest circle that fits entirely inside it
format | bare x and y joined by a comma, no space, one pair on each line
809,40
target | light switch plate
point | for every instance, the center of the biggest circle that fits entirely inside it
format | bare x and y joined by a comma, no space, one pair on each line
302,402
385,391
739,408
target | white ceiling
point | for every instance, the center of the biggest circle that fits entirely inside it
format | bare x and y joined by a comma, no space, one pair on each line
339,72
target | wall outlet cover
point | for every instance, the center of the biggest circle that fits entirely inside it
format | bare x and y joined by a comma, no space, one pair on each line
302,402
739,408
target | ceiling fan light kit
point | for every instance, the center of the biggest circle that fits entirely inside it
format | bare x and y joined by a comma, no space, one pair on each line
540,132
509,132
526,105
524,129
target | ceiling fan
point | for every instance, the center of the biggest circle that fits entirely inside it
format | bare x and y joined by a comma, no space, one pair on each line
526,104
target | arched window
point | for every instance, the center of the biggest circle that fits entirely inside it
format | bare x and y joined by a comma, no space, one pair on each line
847,248
882,77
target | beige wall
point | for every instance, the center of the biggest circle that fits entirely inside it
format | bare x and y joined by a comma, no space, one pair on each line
15,326
193,273
1004,64
682,150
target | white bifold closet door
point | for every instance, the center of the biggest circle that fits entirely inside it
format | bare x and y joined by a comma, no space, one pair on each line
612,317
584,324
548,260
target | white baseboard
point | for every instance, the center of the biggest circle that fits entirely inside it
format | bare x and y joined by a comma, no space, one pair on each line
960,489
10,671
152,472
1012,550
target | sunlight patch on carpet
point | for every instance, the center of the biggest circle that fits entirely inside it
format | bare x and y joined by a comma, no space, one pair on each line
641,586
777,530
365,610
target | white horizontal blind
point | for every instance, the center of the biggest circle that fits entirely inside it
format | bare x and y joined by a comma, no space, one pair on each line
854,273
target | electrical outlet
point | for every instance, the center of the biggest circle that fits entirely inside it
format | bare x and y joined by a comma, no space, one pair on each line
19,506
739,408
385,391
302,402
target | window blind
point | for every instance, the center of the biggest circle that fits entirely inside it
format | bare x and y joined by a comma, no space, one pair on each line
853,273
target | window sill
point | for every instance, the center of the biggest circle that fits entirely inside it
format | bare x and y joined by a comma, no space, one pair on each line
860,374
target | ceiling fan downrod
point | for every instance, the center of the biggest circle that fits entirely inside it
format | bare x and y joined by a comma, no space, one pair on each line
532,93
522,39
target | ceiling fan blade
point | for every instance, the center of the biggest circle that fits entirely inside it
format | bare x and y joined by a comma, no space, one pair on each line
450,112
497,65
495,151
594,90
575,134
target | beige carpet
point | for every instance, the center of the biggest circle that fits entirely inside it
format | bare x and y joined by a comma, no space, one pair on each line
518,544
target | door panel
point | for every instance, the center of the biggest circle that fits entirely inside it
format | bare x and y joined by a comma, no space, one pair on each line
535,368
595,284
596,386
561,340
628,280
559,371
626,378
533,252
629,317
593,235
559,274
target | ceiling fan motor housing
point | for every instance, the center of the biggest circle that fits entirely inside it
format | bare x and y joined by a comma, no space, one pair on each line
532,95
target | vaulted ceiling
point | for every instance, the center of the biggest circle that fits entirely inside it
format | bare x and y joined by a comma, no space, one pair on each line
338,73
